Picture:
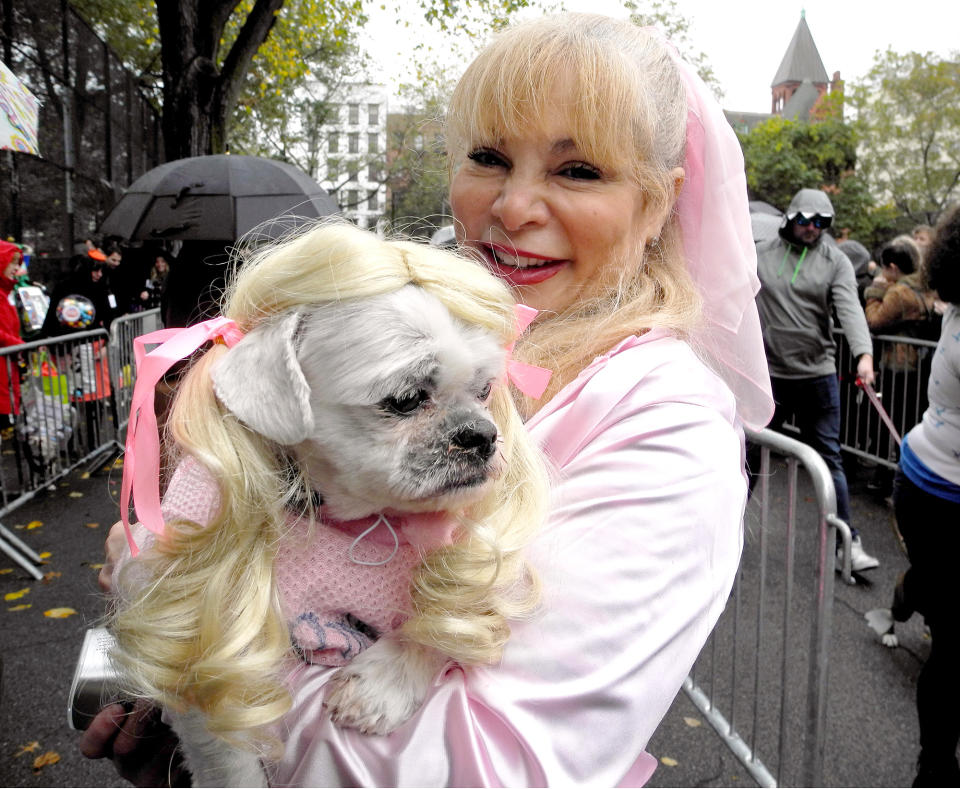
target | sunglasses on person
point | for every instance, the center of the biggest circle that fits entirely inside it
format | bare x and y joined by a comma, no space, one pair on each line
817,220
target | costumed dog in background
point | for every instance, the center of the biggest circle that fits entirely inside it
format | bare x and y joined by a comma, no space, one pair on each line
354,487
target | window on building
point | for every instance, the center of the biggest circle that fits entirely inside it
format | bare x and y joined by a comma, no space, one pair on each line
354,142
373,171
333,142
353,198
373,142
353,170
354,114
333,169
372,201
373,114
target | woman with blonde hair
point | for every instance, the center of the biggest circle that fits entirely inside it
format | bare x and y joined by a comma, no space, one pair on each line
591,171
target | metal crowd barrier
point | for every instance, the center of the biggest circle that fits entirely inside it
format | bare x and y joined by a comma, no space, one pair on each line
903,393
122,333
775,632
68,402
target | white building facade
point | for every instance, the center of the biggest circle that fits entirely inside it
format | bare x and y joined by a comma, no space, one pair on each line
356,140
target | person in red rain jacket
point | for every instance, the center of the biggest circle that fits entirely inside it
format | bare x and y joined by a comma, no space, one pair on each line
10,259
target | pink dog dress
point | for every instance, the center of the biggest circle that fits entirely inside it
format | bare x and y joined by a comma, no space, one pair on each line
337,592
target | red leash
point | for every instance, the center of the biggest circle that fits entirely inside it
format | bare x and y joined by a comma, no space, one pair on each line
874,398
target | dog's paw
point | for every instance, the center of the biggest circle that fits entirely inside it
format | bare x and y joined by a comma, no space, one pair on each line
382,687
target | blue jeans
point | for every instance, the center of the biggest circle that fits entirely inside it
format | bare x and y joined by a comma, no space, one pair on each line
816,403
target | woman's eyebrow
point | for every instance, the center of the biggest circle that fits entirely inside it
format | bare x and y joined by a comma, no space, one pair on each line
564,145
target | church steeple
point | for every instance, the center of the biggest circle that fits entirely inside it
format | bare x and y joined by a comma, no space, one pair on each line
801,63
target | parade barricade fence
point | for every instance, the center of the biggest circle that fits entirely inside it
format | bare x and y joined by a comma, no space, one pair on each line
903,367
122,333
69,402
771,634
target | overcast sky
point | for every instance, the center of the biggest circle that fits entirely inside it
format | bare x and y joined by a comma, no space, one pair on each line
745,40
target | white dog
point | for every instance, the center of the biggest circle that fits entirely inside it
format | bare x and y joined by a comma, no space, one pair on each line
385,405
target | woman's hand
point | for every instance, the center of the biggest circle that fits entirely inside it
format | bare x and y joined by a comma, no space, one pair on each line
142,747
114,549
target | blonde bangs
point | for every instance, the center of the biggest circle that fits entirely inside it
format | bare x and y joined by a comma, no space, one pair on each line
520,81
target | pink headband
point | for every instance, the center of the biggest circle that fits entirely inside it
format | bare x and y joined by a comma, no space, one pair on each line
141,466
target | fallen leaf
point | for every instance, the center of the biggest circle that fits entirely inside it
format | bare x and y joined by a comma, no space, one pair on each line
16,595
64,484
85,475
21,607
95,566
45,555
50,757
75,494
47,577
34,525
19,526
92,525
6,570
668,761
30,747
118,463
692,722
59,613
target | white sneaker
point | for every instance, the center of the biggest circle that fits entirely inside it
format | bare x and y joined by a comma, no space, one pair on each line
859,559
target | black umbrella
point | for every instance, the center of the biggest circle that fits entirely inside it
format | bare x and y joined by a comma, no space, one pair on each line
216,198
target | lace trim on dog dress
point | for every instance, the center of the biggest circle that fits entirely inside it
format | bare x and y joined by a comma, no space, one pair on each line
334,607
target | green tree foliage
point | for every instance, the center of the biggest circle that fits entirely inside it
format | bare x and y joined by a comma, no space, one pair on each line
783,156
908,107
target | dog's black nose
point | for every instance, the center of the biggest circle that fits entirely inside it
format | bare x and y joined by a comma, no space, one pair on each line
477,437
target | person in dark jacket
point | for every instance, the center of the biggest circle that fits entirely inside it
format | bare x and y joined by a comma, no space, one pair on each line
87,280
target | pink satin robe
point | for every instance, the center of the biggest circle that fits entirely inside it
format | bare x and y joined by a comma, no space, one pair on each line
637,561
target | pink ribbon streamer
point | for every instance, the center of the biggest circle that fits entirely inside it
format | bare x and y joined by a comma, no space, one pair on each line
875,401
529,379
141,464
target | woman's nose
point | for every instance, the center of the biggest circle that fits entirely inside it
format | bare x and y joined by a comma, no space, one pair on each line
520,202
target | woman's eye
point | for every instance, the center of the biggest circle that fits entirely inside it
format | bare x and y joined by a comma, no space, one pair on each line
406,404
581,171
487,158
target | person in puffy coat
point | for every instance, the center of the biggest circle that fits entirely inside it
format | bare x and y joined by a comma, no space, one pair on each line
10,260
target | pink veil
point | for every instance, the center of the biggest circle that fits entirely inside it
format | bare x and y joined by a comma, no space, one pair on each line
721,256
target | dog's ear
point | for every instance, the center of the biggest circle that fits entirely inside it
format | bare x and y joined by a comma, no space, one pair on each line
260,382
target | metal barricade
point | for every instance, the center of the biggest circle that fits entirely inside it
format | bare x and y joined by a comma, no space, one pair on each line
769,637
62,415
903,367
122,333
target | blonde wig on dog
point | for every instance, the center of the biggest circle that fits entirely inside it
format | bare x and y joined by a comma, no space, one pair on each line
621,96
205,630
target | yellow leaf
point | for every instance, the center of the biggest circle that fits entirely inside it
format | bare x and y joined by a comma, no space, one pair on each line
76,494
50,757
92,525
21,607
34,525
668,761
16,595
85,475
692,722
47,577
6,570
59,613
30,747
45,555
95,566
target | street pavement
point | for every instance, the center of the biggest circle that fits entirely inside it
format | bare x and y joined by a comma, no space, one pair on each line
872,730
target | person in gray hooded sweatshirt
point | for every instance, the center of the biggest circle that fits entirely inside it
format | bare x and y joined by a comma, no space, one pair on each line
803,280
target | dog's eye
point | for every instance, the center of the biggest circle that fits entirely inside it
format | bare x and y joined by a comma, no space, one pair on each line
406,404
484,393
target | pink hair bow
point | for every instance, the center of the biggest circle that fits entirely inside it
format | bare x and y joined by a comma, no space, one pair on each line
141,465
530,380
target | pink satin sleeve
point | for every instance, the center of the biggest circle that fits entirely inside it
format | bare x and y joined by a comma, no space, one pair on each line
637,561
